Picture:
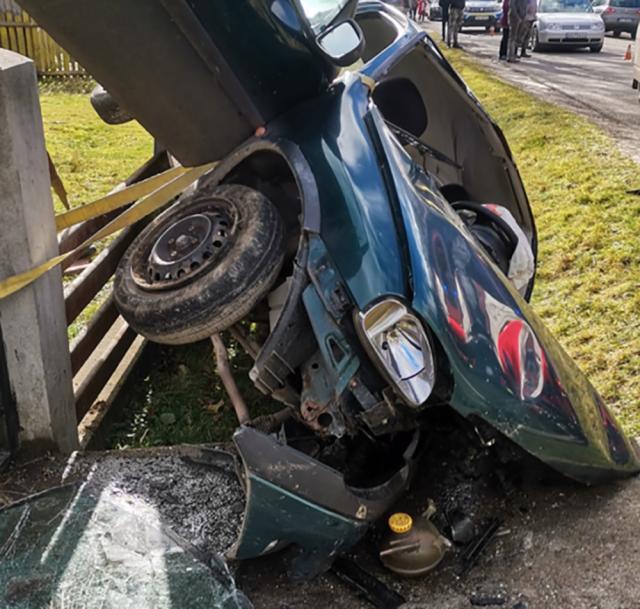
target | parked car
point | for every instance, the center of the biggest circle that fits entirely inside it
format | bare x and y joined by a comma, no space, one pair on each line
482,13
373,224
567,23
619,15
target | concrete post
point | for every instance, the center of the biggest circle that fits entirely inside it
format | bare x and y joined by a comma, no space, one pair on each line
33,320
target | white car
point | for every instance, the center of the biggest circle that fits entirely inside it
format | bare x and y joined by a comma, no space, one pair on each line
568,23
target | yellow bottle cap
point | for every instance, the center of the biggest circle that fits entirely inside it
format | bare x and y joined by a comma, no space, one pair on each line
400,522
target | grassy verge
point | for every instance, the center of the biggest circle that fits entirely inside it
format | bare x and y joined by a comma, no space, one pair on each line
180,399
588,287
91,157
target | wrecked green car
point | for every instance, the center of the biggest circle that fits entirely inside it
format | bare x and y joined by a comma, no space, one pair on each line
368,212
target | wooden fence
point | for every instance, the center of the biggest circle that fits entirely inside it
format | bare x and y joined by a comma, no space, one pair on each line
104,353
20,33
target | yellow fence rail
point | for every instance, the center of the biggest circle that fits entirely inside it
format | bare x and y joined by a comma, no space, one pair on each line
20,33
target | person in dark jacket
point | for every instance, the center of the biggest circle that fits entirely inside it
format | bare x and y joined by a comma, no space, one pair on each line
456,13
444,5
527,26
517,14
504,23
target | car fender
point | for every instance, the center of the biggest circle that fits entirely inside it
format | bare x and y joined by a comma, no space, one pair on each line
507,368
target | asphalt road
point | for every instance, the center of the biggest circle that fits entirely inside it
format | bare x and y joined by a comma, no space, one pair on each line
597,85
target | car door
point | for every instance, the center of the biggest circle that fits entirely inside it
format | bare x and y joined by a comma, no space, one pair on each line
200,76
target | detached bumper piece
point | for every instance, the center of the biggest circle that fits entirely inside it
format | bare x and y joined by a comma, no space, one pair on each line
294,499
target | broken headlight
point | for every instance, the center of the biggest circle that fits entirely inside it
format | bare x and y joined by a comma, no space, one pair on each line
400,347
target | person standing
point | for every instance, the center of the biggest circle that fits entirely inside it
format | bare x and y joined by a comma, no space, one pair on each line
444,7
504,23
529,18
456,15
517,14
420,10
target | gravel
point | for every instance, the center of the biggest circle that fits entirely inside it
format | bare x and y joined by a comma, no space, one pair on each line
202,504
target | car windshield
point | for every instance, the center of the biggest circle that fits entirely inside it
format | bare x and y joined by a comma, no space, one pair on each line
565,6
321,13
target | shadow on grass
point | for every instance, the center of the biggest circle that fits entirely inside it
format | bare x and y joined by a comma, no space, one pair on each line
176,397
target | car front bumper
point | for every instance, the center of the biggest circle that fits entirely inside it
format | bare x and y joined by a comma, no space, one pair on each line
480,20
571,37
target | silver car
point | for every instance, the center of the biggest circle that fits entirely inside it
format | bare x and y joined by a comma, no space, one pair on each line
619,15
568,23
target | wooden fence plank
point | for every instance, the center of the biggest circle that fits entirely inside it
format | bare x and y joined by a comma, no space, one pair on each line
104,411
20,33
105,360
13,43
70,238
28,34
4,38
84,344
83,288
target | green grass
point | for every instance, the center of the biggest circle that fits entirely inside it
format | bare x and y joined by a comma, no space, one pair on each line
180,399
588,282
90,156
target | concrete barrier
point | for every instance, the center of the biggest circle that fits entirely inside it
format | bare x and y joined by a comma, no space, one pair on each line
32,321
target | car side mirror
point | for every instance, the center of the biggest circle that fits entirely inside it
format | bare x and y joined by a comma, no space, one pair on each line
342,43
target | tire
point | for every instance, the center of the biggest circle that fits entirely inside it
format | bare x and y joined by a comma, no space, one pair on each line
596,48
535,42
107,108
214,284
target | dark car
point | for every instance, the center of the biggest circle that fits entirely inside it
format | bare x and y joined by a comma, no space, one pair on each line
367,220
619,15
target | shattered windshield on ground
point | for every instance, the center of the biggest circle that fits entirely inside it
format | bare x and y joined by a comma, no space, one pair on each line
113,540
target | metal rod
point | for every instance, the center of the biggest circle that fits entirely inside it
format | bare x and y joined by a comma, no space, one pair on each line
246,342
224,372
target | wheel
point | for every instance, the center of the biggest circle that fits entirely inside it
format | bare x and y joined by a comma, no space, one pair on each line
596,48
107,108
616,33
202,265
535,41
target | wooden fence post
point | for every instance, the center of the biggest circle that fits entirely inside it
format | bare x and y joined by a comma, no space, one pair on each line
33,320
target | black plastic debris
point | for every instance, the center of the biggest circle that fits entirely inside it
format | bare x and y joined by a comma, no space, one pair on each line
461,527
368,586
487,600
474,549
